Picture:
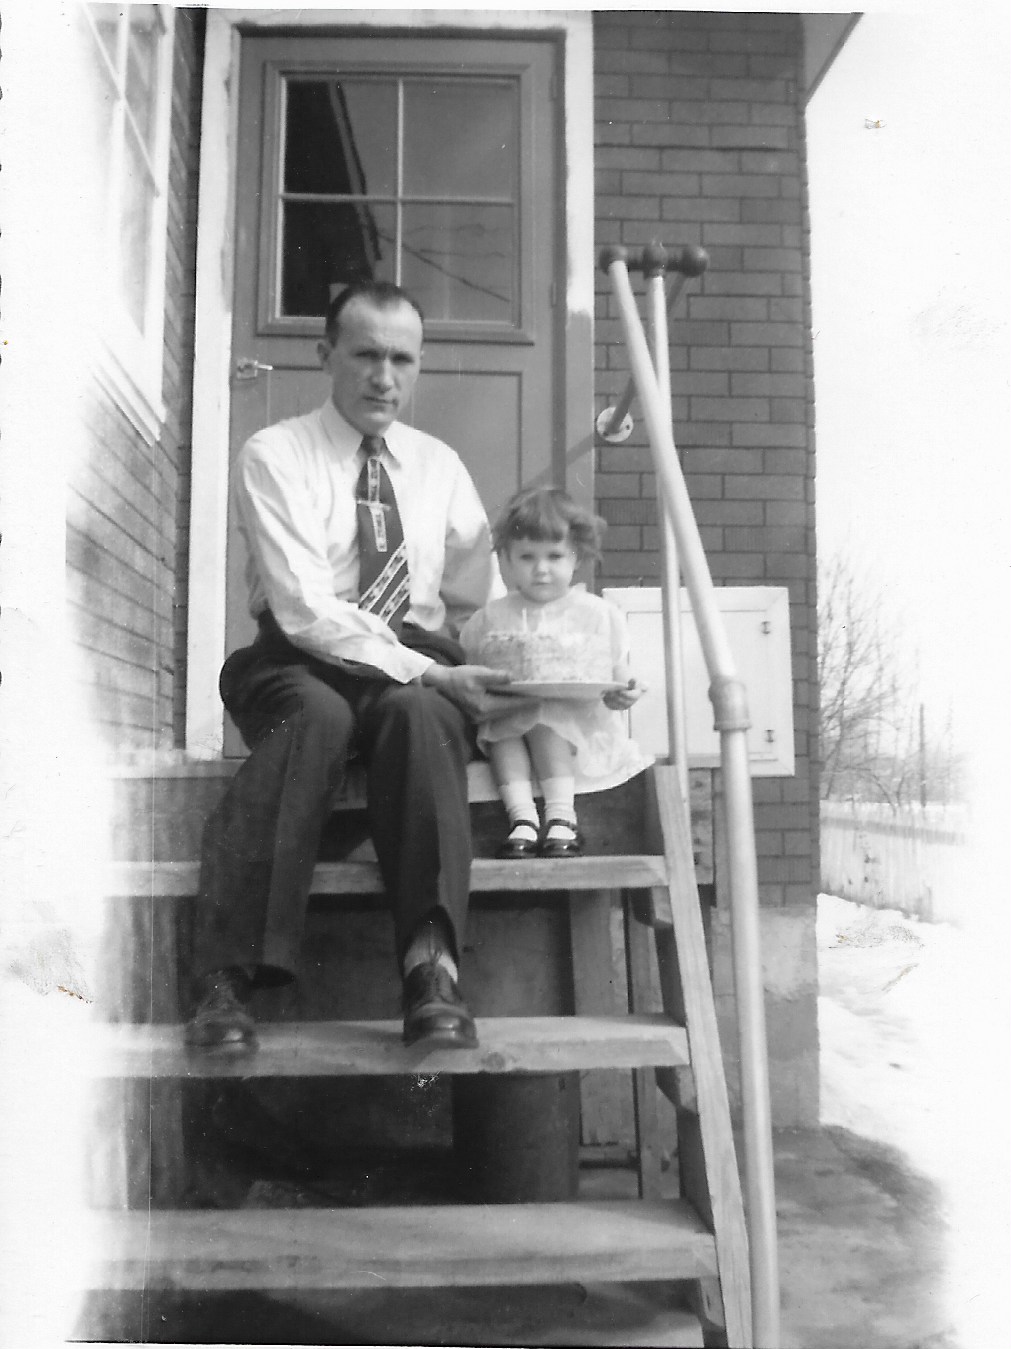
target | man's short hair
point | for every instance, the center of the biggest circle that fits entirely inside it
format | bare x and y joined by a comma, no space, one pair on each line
382,294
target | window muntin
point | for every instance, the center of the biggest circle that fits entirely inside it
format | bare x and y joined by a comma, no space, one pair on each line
413,179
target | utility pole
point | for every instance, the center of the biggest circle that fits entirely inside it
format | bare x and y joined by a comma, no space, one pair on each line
923,758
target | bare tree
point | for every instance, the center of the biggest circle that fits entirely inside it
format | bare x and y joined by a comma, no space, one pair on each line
873,743
856,682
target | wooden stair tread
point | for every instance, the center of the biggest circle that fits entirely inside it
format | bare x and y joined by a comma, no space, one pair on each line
175,765
402,1247
633,871
369,1048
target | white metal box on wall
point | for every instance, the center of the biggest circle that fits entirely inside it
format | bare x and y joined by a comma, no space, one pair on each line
757,620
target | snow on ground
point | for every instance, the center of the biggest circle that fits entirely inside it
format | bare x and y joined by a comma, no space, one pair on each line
42,1158
914,1055
886,983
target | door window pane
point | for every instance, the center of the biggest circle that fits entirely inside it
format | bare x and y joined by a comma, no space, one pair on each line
341,137
329,243
459,260
460,138
413,179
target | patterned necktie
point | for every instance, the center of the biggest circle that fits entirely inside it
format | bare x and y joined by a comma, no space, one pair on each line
384,586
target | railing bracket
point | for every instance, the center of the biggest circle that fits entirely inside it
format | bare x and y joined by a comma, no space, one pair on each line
615,423
619,433
730,704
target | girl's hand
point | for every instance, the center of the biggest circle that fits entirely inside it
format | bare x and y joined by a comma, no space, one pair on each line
620,700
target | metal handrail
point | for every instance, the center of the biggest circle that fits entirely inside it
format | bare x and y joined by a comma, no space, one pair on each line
670,570
615,424
727,694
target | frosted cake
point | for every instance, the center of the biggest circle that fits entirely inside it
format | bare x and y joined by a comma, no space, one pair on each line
550,657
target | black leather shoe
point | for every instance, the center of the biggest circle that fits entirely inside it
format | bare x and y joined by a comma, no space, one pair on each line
221,1022
561,847
520,847
434,1012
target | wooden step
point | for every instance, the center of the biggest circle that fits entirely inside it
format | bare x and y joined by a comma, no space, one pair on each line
174,764
636,871
369,1048
401,1247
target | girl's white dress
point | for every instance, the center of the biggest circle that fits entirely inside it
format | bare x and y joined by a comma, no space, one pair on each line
604,755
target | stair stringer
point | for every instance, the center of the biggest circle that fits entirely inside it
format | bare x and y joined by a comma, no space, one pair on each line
709,1167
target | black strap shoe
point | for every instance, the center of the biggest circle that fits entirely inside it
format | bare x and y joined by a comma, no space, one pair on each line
561,847
434,1012
516,843
221,1022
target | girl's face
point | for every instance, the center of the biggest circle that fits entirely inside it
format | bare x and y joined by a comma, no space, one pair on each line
540,569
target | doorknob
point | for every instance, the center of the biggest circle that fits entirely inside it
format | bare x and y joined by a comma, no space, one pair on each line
248,367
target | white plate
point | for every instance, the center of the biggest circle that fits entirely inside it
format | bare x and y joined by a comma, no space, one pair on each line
574,689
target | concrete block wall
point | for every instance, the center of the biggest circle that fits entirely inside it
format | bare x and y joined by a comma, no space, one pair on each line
699,132
127,501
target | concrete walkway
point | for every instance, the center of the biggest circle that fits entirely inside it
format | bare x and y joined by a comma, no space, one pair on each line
862,1246
913,1024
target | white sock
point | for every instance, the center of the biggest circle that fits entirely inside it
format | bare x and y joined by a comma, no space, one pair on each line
518,799
425,946
560,799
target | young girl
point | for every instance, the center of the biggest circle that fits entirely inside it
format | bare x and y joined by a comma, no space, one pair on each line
542,536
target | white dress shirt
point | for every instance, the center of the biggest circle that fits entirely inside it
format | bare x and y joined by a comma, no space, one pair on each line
294,487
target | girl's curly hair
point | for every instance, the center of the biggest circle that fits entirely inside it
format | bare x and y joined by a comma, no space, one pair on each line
549,513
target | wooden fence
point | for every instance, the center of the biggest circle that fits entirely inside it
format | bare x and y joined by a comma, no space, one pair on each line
914,859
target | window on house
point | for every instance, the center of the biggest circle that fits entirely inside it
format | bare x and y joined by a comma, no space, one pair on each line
412,179
131,59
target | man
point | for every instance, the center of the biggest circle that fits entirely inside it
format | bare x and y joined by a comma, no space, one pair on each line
367,546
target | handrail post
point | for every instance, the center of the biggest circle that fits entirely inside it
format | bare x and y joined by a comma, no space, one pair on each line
729,703
731,720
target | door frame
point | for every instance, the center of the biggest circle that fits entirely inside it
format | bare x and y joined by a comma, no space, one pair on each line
573,32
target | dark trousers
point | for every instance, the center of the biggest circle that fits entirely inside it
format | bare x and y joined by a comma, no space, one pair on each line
301,719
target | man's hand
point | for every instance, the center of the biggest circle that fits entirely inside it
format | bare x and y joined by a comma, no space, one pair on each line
620,700
472,688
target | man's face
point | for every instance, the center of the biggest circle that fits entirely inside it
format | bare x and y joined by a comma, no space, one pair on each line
374,364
